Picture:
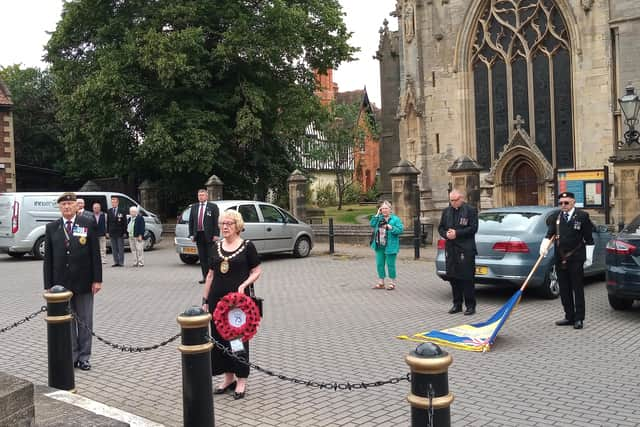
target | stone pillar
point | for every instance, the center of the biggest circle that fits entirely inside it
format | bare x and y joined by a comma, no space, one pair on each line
214,188
149,196
465,175
297,202
404,181
626,170
7,146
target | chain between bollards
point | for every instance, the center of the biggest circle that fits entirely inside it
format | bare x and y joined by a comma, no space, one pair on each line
24,320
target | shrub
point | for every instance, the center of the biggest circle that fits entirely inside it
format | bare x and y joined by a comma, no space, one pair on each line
352,194
326,196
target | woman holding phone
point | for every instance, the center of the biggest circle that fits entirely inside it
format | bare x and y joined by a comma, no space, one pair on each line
385,241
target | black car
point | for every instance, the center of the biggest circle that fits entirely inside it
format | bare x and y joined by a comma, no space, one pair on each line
623,266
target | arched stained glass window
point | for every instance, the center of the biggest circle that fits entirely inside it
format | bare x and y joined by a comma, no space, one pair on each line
521,66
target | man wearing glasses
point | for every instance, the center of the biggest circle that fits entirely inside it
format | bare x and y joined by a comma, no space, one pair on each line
458,226
574,246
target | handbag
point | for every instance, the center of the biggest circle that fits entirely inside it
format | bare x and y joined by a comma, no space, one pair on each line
257,300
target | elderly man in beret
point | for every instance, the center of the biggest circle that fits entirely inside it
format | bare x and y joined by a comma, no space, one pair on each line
572,232
72,259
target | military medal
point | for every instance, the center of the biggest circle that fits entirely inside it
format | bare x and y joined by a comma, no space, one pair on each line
224,265
82,240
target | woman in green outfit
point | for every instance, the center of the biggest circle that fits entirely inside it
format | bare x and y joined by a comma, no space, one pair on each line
385,241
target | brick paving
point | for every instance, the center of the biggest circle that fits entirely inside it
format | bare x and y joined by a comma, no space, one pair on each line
323,322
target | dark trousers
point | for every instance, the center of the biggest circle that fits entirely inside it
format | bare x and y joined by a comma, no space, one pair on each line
205,251
571,283
81,340
117,249
463,288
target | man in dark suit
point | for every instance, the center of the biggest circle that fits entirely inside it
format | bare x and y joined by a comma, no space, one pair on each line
574,245
100,219
458,226
72,259
116,229
204,229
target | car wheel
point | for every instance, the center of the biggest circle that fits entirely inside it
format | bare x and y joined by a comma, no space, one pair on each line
618,303
302,247
149,241
38,248
16,254
188,259
550,288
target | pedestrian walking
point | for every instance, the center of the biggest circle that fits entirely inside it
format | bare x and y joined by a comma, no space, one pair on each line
203,229
135,231
573,253
116,229
72,259
385,241
234,266
458,226
100,219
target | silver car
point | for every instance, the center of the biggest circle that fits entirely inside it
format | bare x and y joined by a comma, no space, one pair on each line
508,242
270,228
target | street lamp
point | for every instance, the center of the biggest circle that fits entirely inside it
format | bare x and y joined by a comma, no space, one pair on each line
630,106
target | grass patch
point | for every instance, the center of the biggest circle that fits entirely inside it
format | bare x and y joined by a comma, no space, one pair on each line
348,213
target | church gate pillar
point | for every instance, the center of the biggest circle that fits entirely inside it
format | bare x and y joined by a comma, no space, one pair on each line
465,176
405,194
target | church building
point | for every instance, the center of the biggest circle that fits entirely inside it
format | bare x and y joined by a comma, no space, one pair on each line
506,98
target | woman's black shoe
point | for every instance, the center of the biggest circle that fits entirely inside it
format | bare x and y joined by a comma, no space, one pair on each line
237,395
223,390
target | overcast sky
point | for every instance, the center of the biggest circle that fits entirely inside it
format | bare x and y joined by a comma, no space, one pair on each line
25,23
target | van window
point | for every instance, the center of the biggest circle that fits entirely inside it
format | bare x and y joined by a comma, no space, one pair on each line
90,199
249,213
125,203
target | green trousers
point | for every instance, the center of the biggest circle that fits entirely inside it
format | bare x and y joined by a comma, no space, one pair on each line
389,260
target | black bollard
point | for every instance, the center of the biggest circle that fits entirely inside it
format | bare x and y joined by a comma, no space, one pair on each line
429,398
331,246
197,392
59,320
416,237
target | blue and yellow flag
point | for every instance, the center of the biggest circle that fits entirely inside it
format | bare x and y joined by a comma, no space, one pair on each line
473,337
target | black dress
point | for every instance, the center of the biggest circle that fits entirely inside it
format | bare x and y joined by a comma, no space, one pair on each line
240,267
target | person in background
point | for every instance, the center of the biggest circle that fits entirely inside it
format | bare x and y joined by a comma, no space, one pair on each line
203,229
116,229
234,266
458,226
101,229
81,209
385,241
135,231
72,259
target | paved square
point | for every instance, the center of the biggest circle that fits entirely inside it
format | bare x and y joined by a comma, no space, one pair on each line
323,322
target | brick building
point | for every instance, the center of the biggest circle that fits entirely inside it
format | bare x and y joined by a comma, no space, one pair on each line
7,151
524,89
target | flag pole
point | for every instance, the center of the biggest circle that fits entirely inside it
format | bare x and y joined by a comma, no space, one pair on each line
535,266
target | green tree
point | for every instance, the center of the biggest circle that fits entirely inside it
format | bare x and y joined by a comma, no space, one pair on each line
36,133
178,89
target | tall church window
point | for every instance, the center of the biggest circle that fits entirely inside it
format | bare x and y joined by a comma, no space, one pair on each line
521,66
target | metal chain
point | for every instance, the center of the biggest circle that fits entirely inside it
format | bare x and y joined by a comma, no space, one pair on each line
26,319
335,386
430,394
122,347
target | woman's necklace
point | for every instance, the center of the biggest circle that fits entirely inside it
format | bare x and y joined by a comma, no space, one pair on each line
224,265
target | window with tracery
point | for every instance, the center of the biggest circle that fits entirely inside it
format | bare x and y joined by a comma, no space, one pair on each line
521,66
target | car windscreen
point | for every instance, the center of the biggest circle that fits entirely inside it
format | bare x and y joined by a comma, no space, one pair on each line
506,222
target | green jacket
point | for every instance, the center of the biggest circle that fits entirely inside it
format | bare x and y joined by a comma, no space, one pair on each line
393,235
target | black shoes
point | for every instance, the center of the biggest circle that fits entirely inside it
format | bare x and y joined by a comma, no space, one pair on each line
237,395
82,364
455,309
223,390
201,281
564,322
469,311
578,324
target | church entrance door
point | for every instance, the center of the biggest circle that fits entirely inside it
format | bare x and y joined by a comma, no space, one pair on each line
526,185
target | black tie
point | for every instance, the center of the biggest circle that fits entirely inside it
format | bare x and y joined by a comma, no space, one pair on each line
566,217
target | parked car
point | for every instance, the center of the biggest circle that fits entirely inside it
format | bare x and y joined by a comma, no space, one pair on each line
23,217
623,267
508,242
270,228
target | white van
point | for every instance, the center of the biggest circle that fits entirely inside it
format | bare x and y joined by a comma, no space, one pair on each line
23,217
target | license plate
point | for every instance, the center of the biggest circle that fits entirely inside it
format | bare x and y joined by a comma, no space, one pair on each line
482,270
193,251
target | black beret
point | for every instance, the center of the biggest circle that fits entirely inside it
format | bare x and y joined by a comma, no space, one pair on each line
568,194
67,197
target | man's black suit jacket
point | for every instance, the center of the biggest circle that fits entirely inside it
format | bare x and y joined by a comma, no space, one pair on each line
116,223
209,221
76,265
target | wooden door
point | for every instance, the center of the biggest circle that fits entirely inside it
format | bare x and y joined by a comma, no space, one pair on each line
526,186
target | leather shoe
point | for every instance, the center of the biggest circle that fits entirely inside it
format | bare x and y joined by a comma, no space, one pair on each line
223,390
564,322
84,365
455,309
469,311
201,281
237,395
578,324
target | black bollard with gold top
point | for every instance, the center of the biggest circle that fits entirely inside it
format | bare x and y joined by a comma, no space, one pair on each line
197,391
59,322
430,398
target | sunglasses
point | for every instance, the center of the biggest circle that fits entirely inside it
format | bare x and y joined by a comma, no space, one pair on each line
564,203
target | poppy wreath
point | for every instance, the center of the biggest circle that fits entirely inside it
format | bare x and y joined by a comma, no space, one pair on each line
221,317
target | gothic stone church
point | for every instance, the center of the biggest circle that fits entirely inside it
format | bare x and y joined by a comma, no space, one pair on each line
516,90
